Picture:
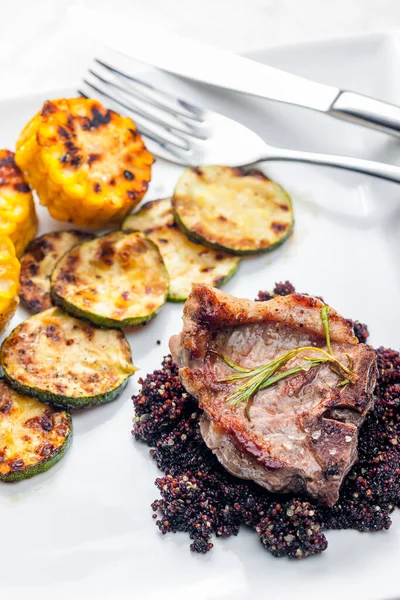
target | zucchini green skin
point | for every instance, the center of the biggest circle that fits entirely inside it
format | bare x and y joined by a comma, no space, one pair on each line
66,402
99,320
44,465
198,239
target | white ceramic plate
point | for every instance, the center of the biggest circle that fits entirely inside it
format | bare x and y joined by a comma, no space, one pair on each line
84,529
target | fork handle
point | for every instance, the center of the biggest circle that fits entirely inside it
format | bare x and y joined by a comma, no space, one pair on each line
359,165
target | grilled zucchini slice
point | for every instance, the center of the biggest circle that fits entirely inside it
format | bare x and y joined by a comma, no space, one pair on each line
231,209
116,280
33,435
88,165
65,361
186,263
17,210
38,263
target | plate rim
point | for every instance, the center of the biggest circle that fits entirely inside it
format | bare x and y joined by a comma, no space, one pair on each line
327,40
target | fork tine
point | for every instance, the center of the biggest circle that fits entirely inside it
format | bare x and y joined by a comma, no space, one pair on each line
170,121
173,128
177,105
162,143
184,157
157,128
160,146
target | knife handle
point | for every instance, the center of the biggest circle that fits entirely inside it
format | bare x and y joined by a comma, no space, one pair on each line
367,111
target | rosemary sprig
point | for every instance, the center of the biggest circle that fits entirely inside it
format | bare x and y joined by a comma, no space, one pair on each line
325,323
268,375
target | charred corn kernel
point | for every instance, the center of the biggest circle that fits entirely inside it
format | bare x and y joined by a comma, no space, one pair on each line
9,280
17,210
87,164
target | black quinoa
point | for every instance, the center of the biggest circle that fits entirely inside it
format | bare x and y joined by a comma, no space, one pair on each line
199,497
280,289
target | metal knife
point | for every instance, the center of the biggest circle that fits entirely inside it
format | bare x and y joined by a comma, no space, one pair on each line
200,62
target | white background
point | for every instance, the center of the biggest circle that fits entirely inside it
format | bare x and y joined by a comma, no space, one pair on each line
38,52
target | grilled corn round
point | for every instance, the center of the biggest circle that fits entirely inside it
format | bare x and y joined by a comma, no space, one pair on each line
9,280
87,164
17,210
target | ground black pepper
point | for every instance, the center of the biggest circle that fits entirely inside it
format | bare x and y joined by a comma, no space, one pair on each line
202,499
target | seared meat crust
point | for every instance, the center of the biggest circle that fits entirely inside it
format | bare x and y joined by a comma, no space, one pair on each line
303,432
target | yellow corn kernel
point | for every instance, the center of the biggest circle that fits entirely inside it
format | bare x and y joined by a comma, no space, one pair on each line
17,210
9,280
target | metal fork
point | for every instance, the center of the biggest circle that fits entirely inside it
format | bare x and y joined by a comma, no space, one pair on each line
183,133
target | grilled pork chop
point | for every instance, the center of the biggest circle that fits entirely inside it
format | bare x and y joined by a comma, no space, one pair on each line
303,431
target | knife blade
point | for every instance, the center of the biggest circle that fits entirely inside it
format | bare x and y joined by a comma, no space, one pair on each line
214,66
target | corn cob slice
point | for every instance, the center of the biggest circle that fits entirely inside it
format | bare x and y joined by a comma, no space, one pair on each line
9,280
87,164
17,210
